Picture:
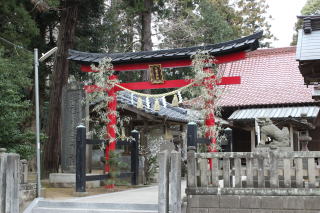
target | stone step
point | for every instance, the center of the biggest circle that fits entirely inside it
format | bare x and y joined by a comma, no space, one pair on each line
77,210
70,207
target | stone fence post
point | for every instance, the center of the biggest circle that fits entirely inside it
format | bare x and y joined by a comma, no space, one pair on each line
163,196
169,162
9,182
23,171
175,181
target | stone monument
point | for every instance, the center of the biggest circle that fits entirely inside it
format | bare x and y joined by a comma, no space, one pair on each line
74,110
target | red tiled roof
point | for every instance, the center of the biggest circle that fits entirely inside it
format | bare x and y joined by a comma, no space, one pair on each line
268,77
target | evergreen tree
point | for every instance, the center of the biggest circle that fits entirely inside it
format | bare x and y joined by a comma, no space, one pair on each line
17,30
251,18
14,107
212,21
312,7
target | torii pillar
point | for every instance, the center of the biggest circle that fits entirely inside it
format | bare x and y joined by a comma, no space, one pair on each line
111,131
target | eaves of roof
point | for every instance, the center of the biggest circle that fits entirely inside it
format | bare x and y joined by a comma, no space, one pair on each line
277,112
248,43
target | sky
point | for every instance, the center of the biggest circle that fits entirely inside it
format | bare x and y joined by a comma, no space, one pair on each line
284,13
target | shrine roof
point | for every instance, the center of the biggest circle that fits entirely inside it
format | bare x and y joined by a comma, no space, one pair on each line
169,112
248,43
276,113
269,77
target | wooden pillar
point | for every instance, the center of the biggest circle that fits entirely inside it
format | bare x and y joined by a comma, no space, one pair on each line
298,148
253,139
291,136
89,136
111,132
81,159
145,150
135,157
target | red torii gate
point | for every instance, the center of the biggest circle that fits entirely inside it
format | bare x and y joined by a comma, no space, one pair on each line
223,53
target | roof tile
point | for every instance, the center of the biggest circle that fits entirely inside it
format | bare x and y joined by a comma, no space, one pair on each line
268,76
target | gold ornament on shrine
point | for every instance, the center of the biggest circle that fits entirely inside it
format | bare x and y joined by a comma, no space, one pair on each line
156,75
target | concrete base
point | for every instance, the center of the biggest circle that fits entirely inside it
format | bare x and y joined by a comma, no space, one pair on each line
252,204
80,194
68,180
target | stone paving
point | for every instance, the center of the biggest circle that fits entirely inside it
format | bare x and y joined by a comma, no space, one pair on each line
146,195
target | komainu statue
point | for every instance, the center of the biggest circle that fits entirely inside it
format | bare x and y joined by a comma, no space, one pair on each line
271,133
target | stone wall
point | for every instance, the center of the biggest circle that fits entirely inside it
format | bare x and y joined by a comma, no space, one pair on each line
27,192
252,204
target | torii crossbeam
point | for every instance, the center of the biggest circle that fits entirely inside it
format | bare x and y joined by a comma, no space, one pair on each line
172,58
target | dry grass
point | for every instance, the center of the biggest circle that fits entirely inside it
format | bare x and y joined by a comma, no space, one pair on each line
66,193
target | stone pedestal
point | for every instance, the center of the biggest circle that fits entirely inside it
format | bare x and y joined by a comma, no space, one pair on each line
266,149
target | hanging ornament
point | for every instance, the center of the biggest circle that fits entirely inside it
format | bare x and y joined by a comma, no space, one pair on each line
123,133
139,103
164,102
147,103
175,101
131,98
156,105
180,97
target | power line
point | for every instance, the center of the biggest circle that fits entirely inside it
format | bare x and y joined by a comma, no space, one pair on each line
15,45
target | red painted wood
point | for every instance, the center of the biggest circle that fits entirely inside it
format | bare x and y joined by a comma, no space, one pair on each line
166,84
175,83
230,57
148,85
111,132
210,118
169,63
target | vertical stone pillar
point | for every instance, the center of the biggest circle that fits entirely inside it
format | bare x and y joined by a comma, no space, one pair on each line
9,182
12,183
24,171
163,196
3,164
175,195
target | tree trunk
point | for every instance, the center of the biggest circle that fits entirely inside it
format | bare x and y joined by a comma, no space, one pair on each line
146,42
59,78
